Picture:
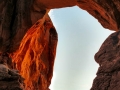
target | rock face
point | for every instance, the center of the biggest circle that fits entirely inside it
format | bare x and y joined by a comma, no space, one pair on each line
106,11
16,17
10,79
36,54
108,58
29,39
35,57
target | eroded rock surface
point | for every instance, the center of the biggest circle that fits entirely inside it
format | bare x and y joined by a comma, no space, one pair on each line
16,17
10,79
36,54
108,57
28,36
106,11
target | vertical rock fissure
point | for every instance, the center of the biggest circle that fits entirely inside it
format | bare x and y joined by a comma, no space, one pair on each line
14,14
6,25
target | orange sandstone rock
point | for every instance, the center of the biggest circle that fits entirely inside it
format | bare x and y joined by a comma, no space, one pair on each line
35,56
28,36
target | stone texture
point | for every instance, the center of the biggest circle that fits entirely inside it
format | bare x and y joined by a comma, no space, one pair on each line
36,54
28,36
108,57
54,3
106,11
16,17
10,79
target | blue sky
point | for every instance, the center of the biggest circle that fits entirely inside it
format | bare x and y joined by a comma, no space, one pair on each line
79,37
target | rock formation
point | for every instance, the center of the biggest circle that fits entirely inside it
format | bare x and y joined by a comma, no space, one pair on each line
36,54
106,11
35,57
10,79
108,57
28,37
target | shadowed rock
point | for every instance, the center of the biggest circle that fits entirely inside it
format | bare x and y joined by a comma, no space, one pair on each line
108,57
10,79
28,36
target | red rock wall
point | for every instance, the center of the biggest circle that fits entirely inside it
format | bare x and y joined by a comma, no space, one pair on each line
35,56
28,36
105,11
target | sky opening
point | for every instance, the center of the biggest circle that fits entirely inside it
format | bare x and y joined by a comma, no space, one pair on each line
79,37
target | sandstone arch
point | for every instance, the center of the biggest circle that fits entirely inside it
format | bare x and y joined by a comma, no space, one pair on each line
23,28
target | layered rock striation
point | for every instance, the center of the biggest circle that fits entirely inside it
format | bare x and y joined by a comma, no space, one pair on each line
35,56
28,42
106,11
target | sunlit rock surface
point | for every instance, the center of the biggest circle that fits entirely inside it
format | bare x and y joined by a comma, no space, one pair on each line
29,38
35,56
